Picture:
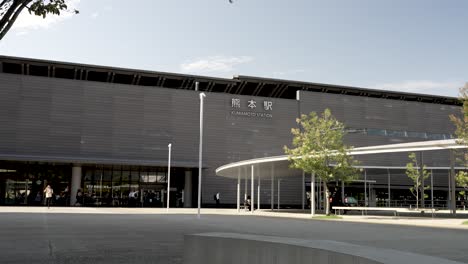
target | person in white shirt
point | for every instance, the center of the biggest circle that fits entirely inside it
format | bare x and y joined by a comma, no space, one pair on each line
48,194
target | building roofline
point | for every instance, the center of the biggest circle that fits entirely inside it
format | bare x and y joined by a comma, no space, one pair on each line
111,68
239,84
368,90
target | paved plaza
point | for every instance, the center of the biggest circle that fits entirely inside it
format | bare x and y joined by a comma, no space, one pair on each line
117,235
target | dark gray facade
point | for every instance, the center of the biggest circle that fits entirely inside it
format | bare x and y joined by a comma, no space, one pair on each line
77,120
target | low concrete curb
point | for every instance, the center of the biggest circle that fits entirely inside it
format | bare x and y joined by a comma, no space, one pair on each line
227,248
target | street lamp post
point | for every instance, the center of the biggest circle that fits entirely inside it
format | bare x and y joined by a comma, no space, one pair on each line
168,176
200,152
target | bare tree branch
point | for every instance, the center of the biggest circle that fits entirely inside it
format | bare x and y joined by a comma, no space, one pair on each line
12,20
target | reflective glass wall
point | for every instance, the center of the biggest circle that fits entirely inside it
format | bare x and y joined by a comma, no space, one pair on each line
23,183
131,186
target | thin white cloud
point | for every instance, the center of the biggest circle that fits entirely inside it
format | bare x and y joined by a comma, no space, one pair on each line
423,86
288,72
28,21
214,64
21,33
95,14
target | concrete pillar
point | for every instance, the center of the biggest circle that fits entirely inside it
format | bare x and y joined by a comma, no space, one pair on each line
75,183
188,189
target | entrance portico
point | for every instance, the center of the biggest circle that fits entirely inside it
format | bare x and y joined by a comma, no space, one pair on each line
282,170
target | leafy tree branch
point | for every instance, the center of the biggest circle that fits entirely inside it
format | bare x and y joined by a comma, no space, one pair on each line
318,147
11,9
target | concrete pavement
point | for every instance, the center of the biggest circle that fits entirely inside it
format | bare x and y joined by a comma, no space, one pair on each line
134,235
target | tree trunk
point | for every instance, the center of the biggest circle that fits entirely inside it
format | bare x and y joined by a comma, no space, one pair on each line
327,198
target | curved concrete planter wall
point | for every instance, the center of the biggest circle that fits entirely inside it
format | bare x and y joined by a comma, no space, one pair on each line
229,248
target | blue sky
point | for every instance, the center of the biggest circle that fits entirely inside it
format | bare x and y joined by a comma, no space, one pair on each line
414,46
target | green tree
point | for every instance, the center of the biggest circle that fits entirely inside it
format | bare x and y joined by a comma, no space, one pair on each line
461,124
11,9
418,175
318,148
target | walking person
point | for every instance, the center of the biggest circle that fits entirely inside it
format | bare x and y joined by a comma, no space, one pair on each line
218,203
79,198
48,194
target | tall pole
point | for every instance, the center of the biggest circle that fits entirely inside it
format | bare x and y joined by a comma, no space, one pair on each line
252,189
312,194
200,151
168,176
298,99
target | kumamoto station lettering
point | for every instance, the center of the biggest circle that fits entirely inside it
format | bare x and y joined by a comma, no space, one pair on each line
251,105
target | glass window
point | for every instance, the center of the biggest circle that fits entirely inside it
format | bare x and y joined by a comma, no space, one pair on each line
161,177
376,132
107,175
134,176
396,133
416,134
435,136
88,176
125,177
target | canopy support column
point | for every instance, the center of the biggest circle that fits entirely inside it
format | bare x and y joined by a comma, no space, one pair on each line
453,184
258,192
432,189
279,192
238,190
312,194
272,188
303,189
252,193
389,203
365,187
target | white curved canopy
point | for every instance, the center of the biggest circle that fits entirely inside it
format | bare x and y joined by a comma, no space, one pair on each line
280,164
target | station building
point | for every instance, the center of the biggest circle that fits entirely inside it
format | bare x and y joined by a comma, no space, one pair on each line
105,131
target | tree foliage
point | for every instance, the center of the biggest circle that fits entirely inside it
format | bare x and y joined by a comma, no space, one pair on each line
413,171
461,124
462,180
11,9
318,148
